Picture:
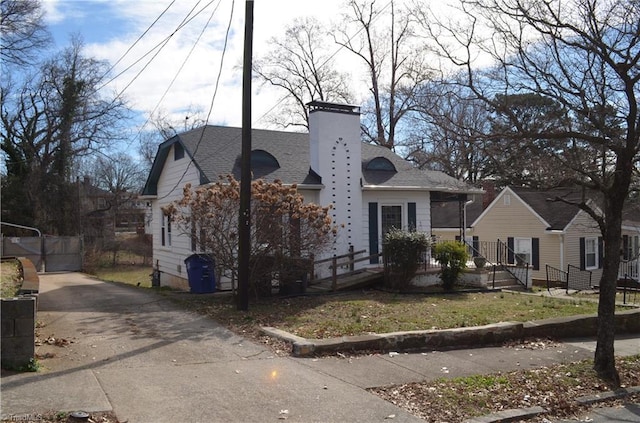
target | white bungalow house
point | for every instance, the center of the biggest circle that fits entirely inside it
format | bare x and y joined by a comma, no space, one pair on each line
371,188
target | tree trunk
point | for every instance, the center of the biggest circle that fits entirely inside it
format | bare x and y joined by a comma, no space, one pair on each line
604,360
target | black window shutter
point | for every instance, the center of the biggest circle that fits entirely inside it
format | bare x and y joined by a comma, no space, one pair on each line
412,216
373,232
600,252
582,250
625,247
535,254
476,245
163,231
510,244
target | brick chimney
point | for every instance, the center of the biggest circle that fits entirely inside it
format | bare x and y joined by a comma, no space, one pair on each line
489,195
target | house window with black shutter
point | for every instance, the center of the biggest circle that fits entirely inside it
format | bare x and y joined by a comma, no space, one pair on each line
589,253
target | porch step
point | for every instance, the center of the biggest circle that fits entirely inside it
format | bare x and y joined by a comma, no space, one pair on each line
512,288
504,280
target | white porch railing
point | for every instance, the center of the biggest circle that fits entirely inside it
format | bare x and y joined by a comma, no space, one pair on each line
630,269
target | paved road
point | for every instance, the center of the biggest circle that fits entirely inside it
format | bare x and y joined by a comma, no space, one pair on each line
133,351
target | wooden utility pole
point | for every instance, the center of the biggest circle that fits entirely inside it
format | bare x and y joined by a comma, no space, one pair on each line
244,221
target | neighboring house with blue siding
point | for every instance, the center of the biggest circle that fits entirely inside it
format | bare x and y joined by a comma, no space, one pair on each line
370,188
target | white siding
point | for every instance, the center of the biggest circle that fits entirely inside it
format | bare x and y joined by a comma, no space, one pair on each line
336,154
170,259
403,198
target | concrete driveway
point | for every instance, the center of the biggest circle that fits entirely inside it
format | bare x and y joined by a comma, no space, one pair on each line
132,351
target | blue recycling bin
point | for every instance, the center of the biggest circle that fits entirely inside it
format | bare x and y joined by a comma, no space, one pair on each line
201,273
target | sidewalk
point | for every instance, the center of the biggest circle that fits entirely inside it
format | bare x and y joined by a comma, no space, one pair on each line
131,351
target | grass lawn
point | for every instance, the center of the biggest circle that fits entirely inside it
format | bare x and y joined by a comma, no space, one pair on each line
366,311
10,280
373,311
131,274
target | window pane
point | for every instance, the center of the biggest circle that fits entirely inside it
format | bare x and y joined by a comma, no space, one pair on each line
590,248
522,246
391,218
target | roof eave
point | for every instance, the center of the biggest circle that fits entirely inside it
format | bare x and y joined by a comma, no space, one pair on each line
369,187
311,186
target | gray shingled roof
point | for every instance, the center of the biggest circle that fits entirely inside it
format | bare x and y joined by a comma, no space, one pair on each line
216,151
446,214
556,213
407,175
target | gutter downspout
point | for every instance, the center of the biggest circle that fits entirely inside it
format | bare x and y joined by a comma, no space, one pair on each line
562,251
464,220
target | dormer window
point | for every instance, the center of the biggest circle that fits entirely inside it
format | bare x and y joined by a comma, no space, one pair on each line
263,159
381,163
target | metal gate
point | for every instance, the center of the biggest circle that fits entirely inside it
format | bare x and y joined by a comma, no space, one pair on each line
49,253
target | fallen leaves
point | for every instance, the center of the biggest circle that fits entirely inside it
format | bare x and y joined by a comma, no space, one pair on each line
554,388
51,340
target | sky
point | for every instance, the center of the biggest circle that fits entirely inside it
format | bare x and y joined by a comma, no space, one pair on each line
109,28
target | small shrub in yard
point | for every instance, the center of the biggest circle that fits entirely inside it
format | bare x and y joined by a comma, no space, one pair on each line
452,257
402,253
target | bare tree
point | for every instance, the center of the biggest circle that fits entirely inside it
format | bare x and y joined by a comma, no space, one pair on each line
147,148
167,126
301,64
22,32
585,56
118,174
50,122
444,133
395,64
123,179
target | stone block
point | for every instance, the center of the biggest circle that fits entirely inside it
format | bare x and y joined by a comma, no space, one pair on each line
18,317
18,307
24,327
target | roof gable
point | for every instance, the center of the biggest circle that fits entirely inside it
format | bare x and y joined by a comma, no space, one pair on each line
544,205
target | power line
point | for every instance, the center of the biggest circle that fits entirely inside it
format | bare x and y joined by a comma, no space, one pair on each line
139,38
215,92
157,47
175,77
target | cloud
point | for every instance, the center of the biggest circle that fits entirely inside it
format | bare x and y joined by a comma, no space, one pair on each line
146,72
165,47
